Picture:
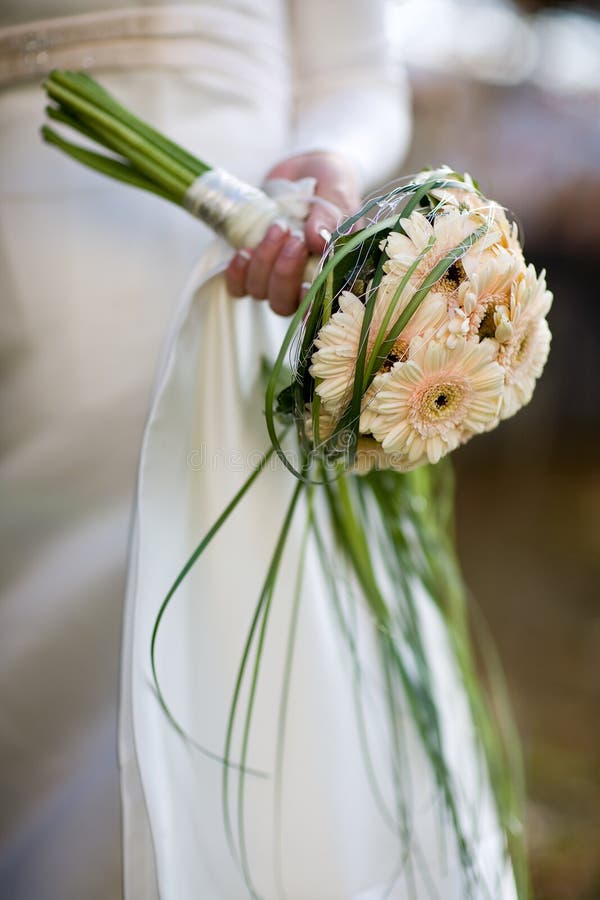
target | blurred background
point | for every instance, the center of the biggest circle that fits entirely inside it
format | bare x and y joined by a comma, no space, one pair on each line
511,93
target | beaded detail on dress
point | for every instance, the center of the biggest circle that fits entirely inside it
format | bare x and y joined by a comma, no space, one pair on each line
167,36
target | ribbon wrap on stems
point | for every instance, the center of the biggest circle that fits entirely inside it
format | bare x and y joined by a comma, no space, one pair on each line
241,213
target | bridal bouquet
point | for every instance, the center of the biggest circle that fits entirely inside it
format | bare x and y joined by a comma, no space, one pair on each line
423,327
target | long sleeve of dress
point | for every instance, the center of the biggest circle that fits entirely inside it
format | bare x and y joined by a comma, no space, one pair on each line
351,96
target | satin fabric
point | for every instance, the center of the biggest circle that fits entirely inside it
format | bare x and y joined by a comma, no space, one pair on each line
329,841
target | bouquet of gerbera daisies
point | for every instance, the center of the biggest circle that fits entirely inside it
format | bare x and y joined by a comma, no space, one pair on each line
423,327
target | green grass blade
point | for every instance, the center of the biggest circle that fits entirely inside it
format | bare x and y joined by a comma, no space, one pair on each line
191,562
134,144
88,87
271,578
284,698
105,165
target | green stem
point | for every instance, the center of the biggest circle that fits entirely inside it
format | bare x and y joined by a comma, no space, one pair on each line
353,537
268,590
152,170
106,165
350,639
176,584
284,699
134,142
87,87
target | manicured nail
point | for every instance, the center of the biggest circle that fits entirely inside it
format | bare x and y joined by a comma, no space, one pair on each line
274,234
325,234
293,247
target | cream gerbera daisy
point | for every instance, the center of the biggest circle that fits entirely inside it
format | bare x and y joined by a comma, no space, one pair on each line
531,295
449,230
334,362
523,356
462,195
483,299
506,238
465,197
425,407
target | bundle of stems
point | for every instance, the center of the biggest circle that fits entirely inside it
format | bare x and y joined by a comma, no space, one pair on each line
140,155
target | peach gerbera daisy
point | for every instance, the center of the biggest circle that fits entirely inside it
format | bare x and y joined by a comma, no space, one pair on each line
333,364
482,302
432,242
523,355
425,407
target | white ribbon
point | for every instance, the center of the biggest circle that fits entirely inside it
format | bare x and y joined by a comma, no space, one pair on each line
242,214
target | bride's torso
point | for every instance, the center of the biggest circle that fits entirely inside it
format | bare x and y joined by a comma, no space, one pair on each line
91,273
223,59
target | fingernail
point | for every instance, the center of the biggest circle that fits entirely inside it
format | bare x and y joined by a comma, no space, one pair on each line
293,247
325,234
274,234
242,255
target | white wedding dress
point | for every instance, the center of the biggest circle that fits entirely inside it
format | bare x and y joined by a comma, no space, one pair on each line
90,274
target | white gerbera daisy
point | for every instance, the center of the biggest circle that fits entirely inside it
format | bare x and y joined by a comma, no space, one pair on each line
483,300
523,356
333,364
531,296
425,407
463,194
465,197
523,361
448,231
425,321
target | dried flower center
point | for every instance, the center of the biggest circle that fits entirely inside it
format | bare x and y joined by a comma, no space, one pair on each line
398,353
487,327
452,278
441,400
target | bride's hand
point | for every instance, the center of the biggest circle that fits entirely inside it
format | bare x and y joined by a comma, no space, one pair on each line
274,270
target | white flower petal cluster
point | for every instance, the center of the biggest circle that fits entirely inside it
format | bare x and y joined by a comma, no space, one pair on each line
467,358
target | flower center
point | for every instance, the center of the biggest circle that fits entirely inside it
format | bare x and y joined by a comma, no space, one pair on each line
398,353
441,401
487,327
522,349
452,278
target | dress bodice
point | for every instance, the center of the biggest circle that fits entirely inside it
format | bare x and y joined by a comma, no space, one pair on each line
328,68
